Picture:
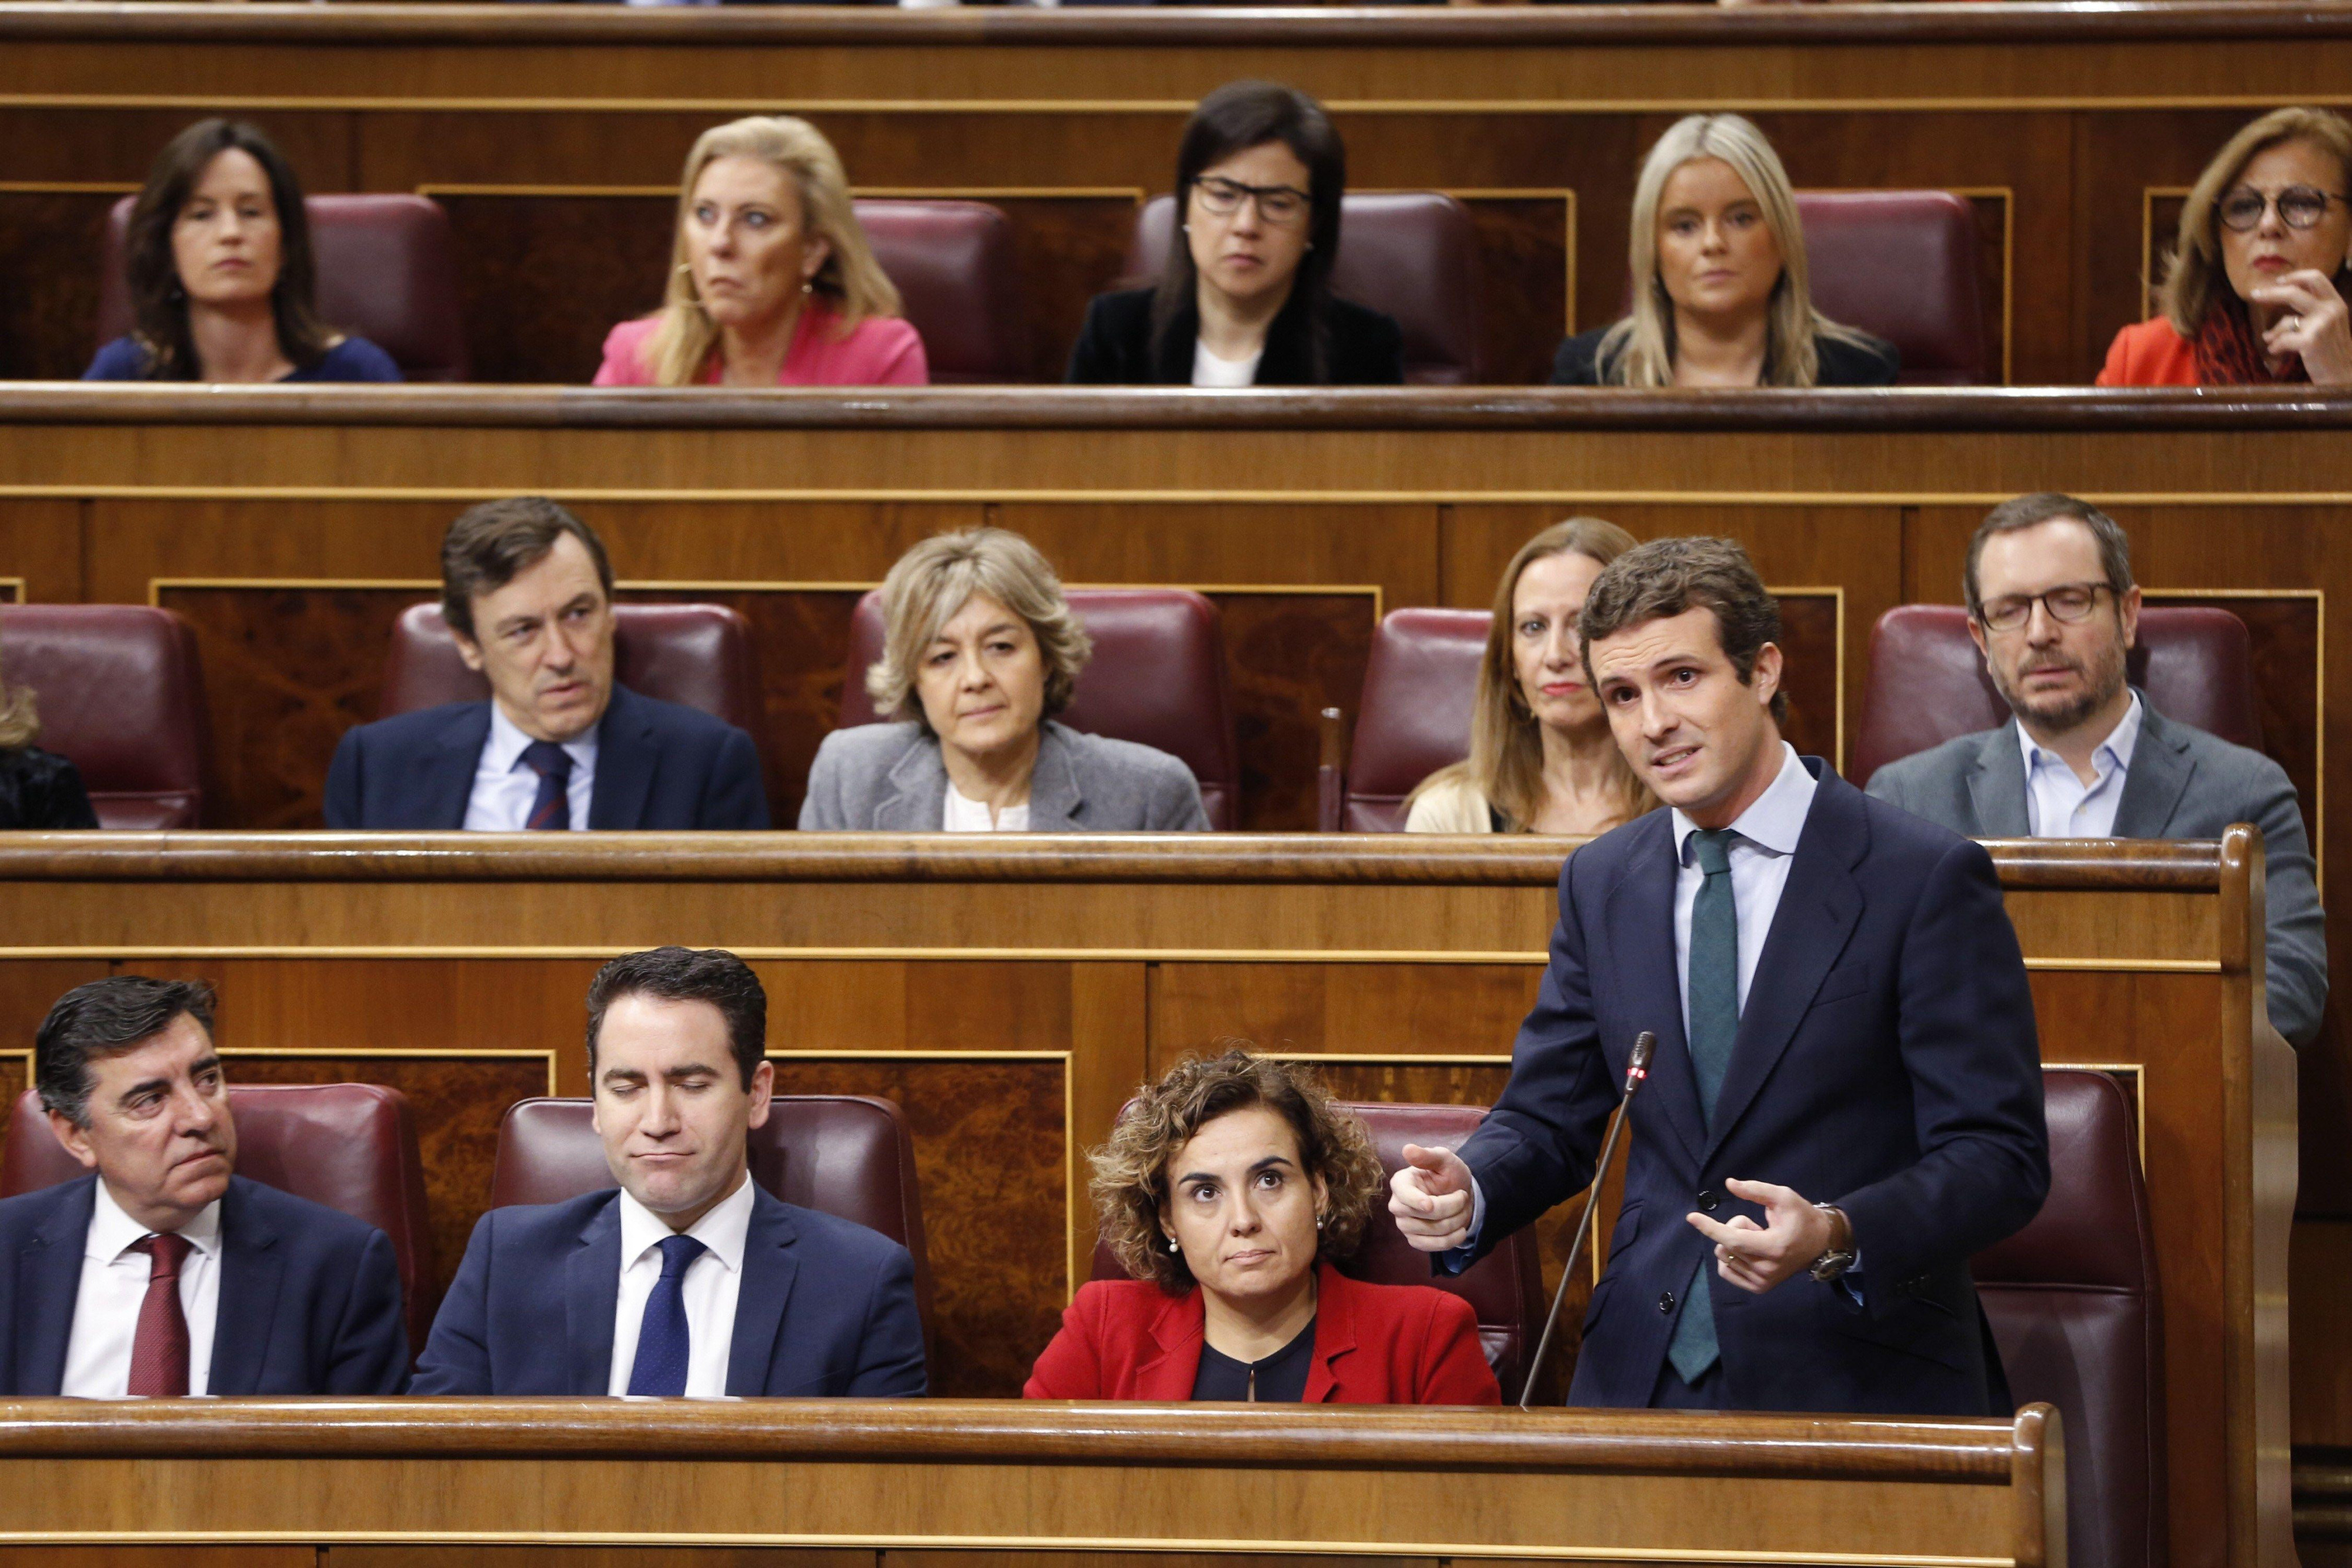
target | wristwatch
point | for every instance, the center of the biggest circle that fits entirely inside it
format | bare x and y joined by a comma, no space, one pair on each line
1841,1255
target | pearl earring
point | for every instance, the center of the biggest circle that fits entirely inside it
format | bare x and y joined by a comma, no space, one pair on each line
1172,1245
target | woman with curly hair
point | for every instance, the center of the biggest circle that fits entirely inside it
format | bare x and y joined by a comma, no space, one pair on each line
1230,1190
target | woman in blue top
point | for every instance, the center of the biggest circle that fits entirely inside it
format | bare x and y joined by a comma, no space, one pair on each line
222,285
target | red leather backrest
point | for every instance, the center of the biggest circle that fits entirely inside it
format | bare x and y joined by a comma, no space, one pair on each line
842,1154
1506,1287
1902,264
120,694
349,1146
2076,1309
1420,686
387,270
954,267
1927,681
699,654
1411,253
1156,678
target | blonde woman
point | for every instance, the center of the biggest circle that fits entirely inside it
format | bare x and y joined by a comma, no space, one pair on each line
980,650
2255,291
1720,290
1541,757
772,282
38,790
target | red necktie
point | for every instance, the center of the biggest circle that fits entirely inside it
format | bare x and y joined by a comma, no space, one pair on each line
159,1351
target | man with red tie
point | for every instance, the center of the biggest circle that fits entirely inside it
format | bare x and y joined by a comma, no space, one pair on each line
163,1273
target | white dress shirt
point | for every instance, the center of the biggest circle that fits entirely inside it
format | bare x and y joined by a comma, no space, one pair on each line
114,1286
965,815
505,786
2059,806
712,1282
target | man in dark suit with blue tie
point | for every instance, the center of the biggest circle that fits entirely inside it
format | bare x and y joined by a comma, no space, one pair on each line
161,1273
1845,1103
526,591
689,1279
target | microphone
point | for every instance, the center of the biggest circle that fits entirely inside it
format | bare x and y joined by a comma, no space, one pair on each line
1637,1068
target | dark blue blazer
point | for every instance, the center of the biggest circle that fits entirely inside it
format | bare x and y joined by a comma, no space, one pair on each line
1886,1061
309,1298
826,1307
658,765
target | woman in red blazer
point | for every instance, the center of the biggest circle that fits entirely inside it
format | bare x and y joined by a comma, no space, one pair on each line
1229,1189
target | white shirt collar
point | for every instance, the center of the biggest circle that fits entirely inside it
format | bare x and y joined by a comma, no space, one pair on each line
506,743
1775,820
112,1232
726,1229
2118,744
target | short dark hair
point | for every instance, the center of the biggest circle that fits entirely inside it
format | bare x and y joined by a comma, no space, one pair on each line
100,1019
2050,507
1670,576
709,975
489,543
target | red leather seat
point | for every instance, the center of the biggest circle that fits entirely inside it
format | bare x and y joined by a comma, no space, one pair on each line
1506,1287
842,1154
1420,686
1411,253
1158,678
954,267
1902,265
1927,681
2076,1309
387,269
121,695
349,1146
699,654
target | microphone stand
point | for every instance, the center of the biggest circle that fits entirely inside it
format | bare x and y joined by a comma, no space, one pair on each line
1636,1069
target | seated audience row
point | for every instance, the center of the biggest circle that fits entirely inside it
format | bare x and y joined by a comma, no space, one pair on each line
773,281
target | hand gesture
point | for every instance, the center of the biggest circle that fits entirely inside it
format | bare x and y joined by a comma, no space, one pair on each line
1431,1198
1758,1257
2316,326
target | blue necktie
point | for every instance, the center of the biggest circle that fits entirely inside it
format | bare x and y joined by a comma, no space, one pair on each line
551,807
1713,1026
663,1342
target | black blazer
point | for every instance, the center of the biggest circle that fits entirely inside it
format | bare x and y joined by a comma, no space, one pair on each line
658,765
1366,348
1842,364
41,789
1886,1062
309,1297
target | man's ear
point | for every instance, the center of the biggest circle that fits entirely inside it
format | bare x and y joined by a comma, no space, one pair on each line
763,1089
1976,636
1765,676
467,649
2127,610
76,1140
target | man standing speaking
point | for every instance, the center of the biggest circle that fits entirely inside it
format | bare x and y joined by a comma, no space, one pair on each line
1845,1103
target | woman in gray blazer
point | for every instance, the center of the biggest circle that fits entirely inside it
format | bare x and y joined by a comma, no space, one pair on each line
980,650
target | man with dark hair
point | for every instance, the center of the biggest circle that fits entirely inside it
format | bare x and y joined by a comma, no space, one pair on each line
690,1278
2084,755
1845,1103
526,592
163,1273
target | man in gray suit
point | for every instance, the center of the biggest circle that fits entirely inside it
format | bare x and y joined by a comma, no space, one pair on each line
2052,607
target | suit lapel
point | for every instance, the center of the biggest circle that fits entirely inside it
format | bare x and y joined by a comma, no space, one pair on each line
1996,787
625,760
591,1294
769,1268
2156,780
1054,795
1640,918
444,786
917,796
250,1271
1819,906
48,1281
1167,1375
1335,1334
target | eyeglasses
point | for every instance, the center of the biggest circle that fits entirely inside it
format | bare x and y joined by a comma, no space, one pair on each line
2299,207
2069,602
1281,206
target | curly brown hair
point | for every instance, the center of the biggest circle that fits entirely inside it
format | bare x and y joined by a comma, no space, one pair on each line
1131,1171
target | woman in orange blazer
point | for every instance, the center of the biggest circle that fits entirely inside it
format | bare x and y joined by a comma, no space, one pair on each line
1229,1189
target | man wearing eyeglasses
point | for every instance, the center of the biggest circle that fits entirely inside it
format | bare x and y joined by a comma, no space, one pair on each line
2052,607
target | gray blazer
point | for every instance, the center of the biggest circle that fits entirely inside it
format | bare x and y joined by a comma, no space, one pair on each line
888,778
2182,784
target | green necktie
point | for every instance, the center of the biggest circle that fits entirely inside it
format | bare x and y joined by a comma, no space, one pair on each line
1713,1025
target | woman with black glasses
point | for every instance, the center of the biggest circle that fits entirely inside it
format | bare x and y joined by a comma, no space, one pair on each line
2255,292
1244,297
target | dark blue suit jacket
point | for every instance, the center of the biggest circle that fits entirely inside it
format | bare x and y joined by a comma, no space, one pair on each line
1886,1061
309,1298
658,765
824,1307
